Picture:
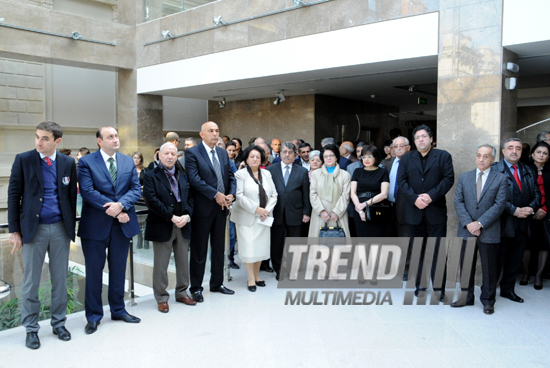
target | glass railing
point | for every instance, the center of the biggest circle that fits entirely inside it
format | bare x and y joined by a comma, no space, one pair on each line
529,133
155,9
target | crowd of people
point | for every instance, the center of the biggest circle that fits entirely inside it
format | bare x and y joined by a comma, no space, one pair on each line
286,189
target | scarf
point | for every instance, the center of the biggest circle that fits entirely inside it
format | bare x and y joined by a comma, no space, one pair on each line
170,175
329,187
262,194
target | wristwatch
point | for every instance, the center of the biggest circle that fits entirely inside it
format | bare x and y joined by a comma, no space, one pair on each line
122,206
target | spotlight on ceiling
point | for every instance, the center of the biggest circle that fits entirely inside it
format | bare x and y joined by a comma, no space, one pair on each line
299,3
412,89
218,21
222,103
510,83
166,34
280,98
512,67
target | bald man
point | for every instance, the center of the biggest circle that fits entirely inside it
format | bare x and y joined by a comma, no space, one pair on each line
346,154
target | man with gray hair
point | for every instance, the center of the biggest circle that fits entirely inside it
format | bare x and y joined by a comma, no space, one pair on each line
544,136
328,140
478,215
523,198
346,154
190,142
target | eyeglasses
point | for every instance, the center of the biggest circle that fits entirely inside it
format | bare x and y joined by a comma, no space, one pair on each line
423,136
329,156
285,152
367,156
401,146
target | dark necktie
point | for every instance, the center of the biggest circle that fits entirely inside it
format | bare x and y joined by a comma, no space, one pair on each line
175,187
218,171
48,161
287,174
478,185
112,170
516,176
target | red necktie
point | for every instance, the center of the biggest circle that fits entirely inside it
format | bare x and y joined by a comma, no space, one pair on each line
48,161
516,176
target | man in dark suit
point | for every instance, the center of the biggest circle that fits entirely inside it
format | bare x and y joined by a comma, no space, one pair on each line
41,215
480,198
346,155
424,177
213,189
293,207
398,225
166,194
110,187
523,200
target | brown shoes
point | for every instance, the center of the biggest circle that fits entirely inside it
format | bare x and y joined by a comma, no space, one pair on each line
186,300
163,307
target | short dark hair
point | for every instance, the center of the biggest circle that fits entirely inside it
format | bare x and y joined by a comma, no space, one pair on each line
303,145
98,133
51,127
540,144
423,127
84,151
231,143
374,151
240,142
66,151
333,149
254,148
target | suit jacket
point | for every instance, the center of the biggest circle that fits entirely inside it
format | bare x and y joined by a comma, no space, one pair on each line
160,200
293,200
344,162
97,189
247,197
528,183
26,190
400,203
203,180
489,208
435,180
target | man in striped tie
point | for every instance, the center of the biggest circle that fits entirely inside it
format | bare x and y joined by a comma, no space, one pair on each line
110,187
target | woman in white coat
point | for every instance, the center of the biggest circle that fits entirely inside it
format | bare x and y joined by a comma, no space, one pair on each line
252,213
329,193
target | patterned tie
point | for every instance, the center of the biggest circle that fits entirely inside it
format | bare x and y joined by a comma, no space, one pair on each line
112,170
48,161
218,171
516,176
175,188
287,174
478,185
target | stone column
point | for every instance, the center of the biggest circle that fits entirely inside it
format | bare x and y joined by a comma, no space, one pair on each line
139,117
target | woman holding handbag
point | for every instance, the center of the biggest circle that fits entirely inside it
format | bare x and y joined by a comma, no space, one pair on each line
252,213
369,190
329,193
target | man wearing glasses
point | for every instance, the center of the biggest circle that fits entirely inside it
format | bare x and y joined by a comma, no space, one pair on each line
423,179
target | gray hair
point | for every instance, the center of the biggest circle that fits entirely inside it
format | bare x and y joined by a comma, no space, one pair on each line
542,136
348,147
405,138
511,140
493,149
168,144
326,141
290,145
314,153
192,140
256,140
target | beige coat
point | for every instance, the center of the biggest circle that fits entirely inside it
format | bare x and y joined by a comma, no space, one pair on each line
318,204
247,197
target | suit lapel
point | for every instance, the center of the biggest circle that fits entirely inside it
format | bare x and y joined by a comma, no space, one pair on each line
488,182
431,159
206,157
36,163
292,173
163,179
415,158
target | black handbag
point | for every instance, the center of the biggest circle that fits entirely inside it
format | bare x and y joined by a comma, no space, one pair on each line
376,212
332,232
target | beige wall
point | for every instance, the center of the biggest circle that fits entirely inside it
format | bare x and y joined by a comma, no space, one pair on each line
293,118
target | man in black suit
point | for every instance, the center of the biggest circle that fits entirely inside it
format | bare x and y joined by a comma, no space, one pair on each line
523,200
41,215
166,194
424,177
213,189
293,207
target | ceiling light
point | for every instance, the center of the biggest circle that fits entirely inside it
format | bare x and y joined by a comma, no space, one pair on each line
512,67
166,34
75,35
280,98
218,21
510,83
222,103
299,3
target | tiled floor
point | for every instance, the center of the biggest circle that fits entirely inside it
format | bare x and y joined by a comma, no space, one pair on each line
258,330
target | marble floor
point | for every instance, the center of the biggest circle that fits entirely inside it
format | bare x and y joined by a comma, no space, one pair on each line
259,330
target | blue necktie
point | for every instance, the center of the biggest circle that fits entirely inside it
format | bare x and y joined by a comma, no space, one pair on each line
393,181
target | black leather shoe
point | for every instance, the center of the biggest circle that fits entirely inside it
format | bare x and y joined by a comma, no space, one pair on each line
267,269
419,290
91,327
488,309
458,304
62,333
32,341
128,318
197,296
277,277
537,287
251,288
523,283
222,289
260,283
233,265
512,296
